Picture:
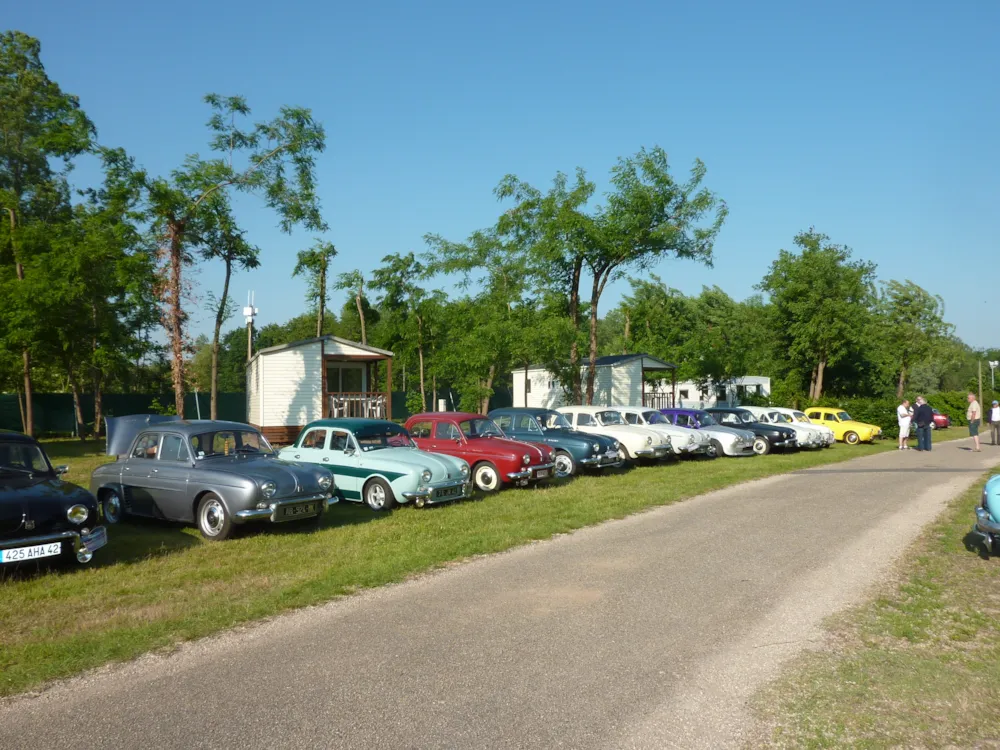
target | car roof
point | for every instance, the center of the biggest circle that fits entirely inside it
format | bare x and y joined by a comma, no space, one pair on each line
352,424
457,416
683,411
589,409
16,437
532,410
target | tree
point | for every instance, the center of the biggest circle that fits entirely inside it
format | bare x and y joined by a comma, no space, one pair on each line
39,124
185,207
355,281
821,301
914,321
314,263
648,216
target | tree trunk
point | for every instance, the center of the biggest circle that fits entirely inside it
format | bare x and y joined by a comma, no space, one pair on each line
74,386
595,297
29,409
819,377
420,356
484,405
175,314
902,382
434,392
322,300
220,316
628,331
20,407
361,310
98,407
574,318
812,385
96,376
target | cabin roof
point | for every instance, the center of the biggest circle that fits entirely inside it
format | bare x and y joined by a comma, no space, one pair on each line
306,342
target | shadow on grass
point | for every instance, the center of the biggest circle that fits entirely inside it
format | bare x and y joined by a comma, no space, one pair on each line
975,543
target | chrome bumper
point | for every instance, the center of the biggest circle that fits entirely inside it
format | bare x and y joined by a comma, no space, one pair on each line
659,452
790,443
428,495
270,513
984,525
602,460
84,545
528,473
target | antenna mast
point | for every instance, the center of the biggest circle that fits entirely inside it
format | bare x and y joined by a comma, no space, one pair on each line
249,313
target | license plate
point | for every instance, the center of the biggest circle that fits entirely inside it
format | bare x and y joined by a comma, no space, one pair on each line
303,509
448,492
541,473
19,554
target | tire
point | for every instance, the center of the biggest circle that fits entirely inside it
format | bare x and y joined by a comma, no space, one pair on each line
214,521
111,507
565,465
715,451
852,438
378,495
486,477
761,446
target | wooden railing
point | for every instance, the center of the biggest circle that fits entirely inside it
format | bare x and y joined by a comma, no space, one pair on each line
657,401
364,405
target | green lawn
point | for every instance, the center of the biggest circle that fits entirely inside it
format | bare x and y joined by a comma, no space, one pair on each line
157,584
917,667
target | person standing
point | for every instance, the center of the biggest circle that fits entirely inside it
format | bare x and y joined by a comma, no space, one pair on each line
903,415
974,414
995,423
923,415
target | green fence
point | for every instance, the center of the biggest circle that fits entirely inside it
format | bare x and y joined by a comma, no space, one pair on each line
54,411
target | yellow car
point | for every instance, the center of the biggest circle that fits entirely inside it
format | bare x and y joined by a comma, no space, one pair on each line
844,428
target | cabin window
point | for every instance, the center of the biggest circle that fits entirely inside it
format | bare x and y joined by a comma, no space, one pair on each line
684,393
315,439
526,423
503,421
174,449
344,378
585,419
447,431
146,446
339,441
631,417
421,430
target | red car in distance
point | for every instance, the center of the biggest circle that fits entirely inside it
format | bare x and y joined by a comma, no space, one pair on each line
495,459
941,421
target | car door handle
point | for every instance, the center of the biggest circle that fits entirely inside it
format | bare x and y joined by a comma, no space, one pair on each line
155,470
297,455
325,459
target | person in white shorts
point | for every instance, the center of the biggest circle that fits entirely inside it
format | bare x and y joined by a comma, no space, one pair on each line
904,414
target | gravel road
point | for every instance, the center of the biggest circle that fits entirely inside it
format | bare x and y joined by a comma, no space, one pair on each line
649,632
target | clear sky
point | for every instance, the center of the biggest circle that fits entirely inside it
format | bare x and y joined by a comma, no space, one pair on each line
875,122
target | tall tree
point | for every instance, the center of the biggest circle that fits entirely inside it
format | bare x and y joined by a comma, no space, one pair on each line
39,125
821,301
914,322
273,159
648,216
315,265
354,281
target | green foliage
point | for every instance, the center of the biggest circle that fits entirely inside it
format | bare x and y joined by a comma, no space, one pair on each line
155,407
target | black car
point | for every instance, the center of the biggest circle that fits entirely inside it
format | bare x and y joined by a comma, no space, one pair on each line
41,516
766,436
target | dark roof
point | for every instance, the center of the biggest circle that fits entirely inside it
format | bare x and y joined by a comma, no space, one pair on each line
617,359
18,437
357,426
532,410
456,415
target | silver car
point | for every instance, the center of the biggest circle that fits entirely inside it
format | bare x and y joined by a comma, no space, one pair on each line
214,474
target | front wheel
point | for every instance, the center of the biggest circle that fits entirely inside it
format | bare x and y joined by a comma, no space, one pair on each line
486,477
852,438
565,465
715,449
761,446
111,505
378,496
214,521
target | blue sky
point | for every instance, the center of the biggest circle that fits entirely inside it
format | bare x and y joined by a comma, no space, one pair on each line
874,122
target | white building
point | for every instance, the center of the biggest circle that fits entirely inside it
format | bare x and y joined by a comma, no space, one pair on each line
619,381
728,393
290,385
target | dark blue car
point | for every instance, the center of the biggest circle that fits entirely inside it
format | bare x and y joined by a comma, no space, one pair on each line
573,449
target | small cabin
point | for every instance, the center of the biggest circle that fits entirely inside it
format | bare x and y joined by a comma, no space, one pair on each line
291,385
620,380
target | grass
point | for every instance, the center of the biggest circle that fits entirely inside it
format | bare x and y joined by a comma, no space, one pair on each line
158,584
919,666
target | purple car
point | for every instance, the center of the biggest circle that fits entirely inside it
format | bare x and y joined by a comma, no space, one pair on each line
726,441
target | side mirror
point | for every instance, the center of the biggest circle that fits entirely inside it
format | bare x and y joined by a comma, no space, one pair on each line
458,441
349,451
62,469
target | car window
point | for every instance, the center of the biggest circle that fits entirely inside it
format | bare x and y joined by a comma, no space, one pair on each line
680,419
229,442
610,418
527,423
23,456
830,417
553,420
504,421
421,430
145,446
314,439
729,419
631,417
173,448
585,419
843,416
339,441
815,415
446,431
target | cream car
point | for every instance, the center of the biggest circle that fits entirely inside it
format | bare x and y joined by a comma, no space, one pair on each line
685,442
635,442
799,417
807,435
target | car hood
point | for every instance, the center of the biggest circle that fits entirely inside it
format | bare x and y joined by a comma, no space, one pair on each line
723,431
43,500
413,460
290,477
626,433
855,425
486,446
678,435
580,439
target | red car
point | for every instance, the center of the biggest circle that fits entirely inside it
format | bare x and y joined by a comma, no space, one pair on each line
941,421
495,459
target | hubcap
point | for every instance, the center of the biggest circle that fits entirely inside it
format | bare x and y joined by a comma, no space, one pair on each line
486,479
376,496
213,516
759,445
112,508
564,465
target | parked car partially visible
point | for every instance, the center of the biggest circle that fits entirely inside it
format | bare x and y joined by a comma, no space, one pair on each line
573,450
941,421
495,459
683,442
808,436
217,475
845,428
636,443
767,436
725,441
376,462
42,516
800,418
987,525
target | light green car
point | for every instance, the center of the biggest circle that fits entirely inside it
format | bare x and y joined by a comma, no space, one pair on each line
374,461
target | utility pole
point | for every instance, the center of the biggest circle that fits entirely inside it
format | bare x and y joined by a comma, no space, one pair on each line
249,312
993,366
980,386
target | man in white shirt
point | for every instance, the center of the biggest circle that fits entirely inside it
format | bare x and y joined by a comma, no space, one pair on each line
974,414
995,423
903,415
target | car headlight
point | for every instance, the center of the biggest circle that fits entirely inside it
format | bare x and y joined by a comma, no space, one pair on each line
649,439
269,488
617,445
691,440
77,514
325,483
425,476
465,470
597,448
526,458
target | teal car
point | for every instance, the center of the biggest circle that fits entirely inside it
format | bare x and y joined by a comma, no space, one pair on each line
374,461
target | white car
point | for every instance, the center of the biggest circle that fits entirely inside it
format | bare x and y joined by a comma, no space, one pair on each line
799,417
725,441
684,442
636,442
806,435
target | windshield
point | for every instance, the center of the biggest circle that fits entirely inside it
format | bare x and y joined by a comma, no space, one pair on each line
610,417
779,417
801,417
229,443
477,428
22,458
391,437
745,416
706,420
843,416
553,420
654,417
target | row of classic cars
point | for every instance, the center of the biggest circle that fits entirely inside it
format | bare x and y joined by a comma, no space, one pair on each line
220,475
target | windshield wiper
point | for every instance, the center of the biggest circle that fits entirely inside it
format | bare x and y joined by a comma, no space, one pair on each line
29,472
